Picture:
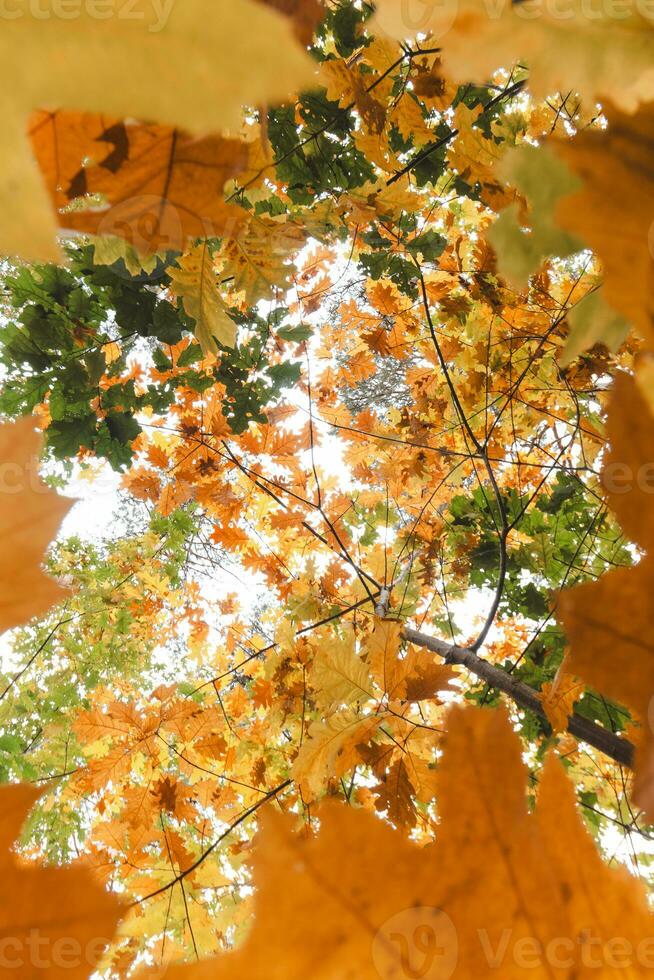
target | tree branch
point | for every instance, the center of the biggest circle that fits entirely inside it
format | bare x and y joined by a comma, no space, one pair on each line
616,748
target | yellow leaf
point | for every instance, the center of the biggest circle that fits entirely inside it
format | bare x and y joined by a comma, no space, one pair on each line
610,622
330,750
194,281
559,697
338,675
257,259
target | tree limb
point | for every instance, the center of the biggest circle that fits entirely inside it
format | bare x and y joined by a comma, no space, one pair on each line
617,748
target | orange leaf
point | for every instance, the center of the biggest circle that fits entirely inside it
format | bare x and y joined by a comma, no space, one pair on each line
610,622
29,519
165,191
55,921
502,893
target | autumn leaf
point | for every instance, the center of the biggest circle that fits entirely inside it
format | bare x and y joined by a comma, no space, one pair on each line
597,57
617,226
348,901
305,15
62,141
330,749
415,676
360,514
166,190
395,796
609,622
56,921
31,515
169,70
559,697
194,280
257,260
339,674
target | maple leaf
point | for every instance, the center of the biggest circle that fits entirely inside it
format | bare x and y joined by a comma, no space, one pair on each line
185,70
165,189
305,15
610,622
194,280
617,227
596,57
30,517
55,921
62,141
348,902
257,259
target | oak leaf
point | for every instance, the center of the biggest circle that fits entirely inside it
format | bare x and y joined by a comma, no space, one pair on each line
257,259
29,519
395,796
339,675
330,749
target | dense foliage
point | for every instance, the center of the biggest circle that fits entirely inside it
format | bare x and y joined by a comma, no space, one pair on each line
352,364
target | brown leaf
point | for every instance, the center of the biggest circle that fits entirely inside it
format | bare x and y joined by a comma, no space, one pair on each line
395,796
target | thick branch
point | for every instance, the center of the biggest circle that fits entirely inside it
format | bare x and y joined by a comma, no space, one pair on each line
617,748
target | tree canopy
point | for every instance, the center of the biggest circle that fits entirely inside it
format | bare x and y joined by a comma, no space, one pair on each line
354,302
